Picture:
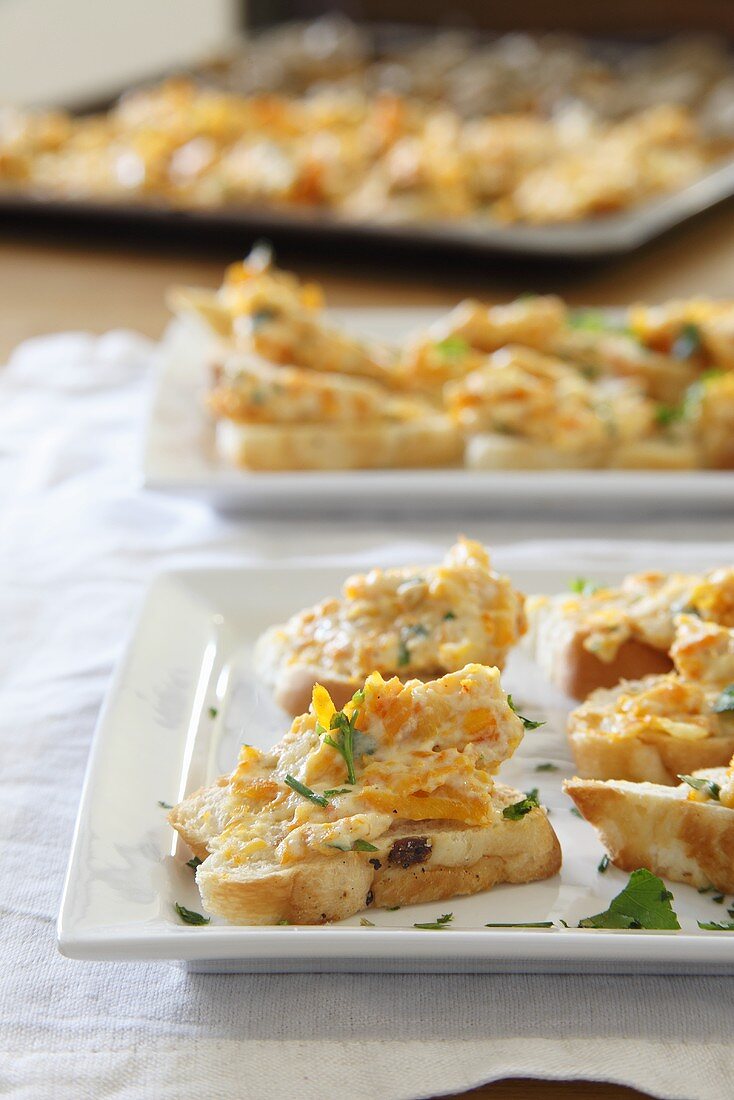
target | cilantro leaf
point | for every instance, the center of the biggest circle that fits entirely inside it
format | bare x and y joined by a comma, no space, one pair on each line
576,812
603,863
366,923
725,702
546,767
305,792
439,924
524,924
643,903
347,741
449,616
363,846
519,809
713,790
164,805
665,415
213,712
528,723
188,916
583,587
687,343
194,862
453,347
716,926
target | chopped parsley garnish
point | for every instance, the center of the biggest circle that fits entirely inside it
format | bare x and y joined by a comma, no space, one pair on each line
643,903
705,889
589,320
546,767
363,846
688,342
348,739
713,790
336,790
164,805
262,317
366,923
417,630
438,924
519,809
583,587
392,908
188,916
532,794
194,862
306,792
525,924
725,702
716,926
449,616
665,415
284,921
576,812
603,863
453,347
213,712
719,899
528,723
403,653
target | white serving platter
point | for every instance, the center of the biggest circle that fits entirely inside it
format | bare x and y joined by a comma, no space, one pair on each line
159,738
180,457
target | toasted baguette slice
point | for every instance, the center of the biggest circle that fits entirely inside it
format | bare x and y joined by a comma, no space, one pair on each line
424,442
557,644
660,828
658,759
656,454
491,451
414,862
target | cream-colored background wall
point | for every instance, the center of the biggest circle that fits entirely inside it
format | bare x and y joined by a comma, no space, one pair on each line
73,51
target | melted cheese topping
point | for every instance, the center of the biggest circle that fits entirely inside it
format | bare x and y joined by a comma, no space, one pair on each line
644,607
411,621
681,704
423,751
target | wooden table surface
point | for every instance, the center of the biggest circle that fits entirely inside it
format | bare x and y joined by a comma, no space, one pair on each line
51,282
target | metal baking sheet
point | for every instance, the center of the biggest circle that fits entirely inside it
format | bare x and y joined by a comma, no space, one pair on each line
611,235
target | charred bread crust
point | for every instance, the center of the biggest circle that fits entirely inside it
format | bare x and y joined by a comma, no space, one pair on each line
659,828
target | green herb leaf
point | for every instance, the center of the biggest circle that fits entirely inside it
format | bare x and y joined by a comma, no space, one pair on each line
603,863
284,921
194,863
306,792
336,790
546,767
583,587
213,712
526,924
449,616
439,924
725,702
519,809
705,889
719,899
164,805
688,342
188,916
576,812
528,723
363,846
588,320
453,347
349,742
392,908
665,415
532,794
403,653
713,790
716,926
366,923
643,903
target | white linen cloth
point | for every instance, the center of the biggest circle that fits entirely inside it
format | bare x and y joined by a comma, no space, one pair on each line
79,542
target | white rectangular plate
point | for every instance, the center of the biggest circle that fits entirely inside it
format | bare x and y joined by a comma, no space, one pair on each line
180,456
158,738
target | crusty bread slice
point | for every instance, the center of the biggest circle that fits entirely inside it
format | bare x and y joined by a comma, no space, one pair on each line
660,828
556,642
428,441
659,758
414,862
492,451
